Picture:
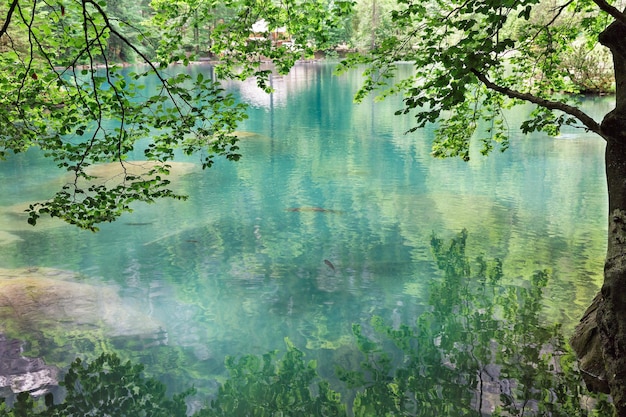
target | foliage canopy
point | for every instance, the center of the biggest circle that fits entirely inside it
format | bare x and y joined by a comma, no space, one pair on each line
476,59
62,91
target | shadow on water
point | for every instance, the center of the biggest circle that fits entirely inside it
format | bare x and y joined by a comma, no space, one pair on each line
482,348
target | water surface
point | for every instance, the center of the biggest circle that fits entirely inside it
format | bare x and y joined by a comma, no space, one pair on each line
326,221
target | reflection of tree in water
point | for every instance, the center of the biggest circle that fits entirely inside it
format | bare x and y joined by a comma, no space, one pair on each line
483,348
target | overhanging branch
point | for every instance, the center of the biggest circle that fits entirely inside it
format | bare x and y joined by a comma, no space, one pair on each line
583,117
606,7
131,45
7,21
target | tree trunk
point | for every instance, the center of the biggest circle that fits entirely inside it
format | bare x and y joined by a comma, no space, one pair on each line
611,314
610,305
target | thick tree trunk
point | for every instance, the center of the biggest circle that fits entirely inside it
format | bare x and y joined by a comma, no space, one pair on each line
600,338
609,309
612,310
611,314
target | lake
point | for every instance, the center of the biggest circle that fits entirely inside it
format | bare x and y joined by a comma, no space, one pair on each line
326,221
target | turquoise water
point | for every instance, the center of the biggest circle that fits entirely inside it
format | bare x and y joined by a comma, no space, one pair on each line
326,221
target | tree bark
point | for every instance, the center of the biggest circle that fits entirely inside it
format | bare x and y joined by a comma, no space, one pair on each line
610,305
612,310
611,313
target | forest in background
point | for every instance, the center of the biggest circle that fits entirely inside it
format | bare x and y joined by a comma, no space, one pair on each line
362,31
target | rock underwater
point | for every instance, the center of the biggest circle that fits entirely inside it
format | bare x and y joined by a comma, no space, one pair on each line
13,218
50,301
19,373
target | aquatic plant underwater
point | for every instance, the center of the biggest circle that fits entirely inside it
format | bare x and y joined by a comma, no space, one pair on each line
482,348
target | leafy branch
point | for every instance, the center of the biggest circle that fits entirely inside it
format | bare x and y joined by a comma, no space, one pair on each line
587,120
82,116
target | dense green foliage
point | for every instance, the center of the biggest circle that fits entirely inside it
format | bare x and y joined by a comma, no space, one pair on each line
482,346
84,115
476,59
104,387
61,91
269,387
264,386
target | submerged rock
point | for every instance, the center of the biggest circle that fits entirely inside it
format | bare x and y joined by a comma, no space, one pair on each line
22,374
7,238
51,301
14,218
114,172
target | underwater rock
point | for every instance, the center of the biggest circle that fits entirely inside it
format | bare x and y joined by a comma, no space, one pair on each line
21,374
115,172
7,238
239,134
49,301
15,217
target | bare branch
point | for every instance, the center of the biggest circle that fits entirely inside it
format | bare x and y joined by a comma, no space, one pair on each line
131,45
583,117
31,40
559,10
7,21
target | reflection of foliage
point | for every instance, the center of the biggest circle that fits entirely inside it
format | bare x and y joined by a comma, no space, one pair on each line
105,387
266,387
481,349
117,389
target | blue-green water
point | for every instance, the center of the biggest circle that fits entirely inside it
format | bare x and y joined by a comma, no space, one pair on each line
326,221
